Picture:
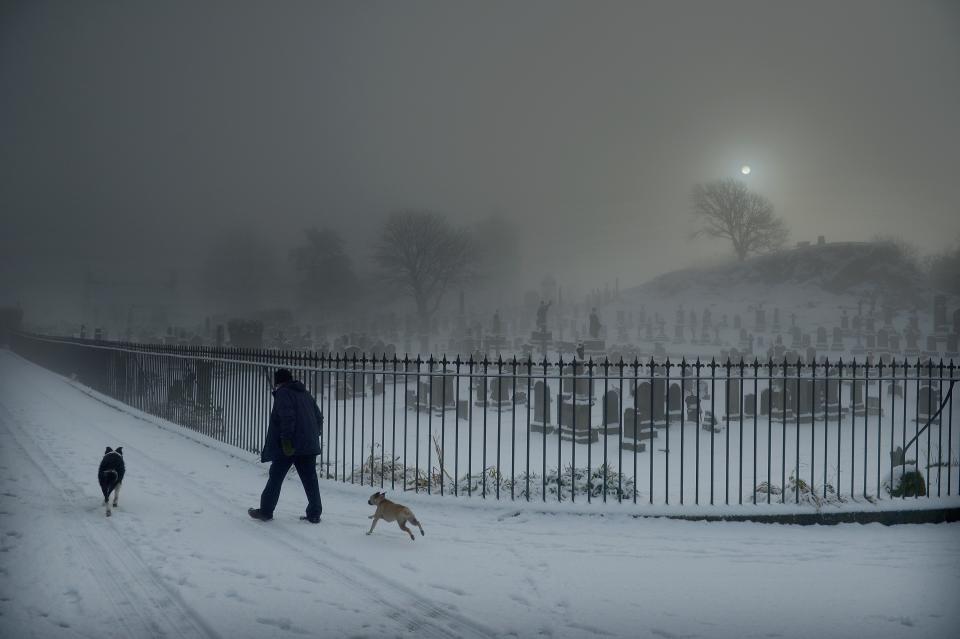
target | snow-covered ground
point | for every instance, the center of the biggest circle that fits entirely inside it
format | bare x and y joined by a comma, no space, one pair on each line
180,557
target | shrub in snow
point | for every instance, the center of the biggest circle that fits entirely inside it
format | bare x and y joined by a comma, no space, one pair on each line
764,489
903,482
799,489
559,485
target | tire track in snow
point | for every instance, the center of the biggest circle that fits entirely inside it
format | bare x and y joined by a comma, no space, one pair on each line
412,611
144,606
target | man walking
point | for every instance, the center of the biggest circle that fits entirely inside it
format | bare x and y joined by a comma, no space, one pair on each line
293,439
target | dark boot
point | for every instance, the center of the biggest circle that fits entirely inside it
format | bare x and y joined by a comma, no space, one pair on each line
256,513
311,519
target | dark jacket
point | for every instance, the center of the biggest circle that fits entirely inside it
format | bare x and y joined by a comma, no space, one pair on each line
295,416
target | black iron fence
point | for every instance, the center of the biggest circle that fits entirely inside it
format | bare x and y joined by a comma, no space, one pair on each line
655,432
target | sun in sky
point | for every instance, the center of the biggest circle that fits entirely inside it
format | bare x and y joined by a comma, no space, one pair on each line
745,169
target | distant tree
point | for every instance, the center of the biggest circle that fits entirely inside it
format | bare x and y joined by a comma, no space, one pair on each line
423,255
945,269
325,275
728,210
900,250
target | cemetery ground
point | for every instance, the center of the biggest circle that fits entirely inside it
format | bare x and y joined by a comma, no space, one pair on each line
821,444
179,557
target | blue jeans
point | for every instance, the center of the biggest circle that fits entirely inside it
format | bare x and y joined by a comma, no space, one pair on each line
307,469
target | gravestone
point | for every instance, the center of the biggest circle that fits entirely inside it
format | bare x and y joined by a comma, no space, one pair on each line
833,395
857,393
499,392
732,398
542,401
611,407
574,422
940,324
441,388
883,339
760,321
837,343
894,343
575,381
776,402
479,392
675,401
661,332
643,402
914,322
913,340
928,403
634,430
822,337
594,325
806,401
749,404
659,401
952,345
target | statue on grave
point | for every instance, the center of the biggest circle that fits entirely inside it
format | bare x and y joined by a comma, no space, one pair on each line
542,316
594,325
497,326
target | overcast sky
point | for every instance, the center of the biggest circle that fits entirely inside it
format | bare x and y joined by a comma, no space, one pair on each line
133,132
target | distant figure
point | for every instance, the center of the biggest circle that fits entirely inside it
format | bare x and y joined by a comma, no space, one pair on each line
594,325
293,439
542,316
580,350
497,326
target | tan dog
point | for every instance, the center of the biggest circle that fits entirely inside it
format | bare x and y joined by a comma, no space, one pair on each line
390,511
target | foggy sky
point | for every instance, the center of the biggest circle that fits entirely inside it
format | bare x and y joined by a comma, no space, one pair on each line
132,134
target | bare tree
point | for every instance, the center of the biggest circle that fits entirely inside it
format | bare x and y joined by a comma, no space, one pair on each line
324,270
421,253
727,209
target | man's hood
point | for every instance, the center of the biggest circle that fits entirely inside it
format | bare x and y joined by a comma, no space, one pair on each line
295,385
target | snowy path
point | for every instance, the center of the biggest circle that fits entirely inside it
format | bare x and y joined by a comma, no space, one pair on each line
180,558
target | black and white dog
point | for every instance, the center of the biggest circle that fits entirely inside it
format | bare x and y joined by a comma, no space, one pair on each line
110,475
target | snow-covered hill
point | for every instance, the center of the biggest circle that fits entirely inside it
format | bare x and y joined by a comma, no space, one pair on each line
841,269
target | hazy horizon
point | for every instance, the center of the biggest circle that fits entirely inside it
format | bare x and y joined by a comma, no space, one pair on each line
137,134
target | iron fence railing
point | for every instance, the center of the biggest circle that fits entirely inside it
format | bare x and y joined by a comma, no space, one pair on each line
655,431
